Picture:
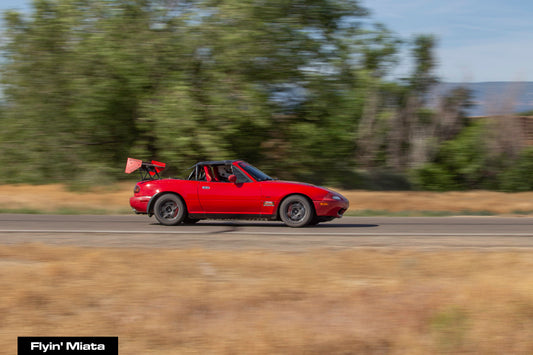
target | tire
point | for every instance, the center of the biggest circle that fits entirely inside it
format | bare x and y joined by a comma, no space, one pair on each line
169,210
296,211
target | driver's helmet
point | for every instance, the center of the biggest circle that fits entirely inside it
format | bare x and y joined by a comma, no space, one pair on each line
224,171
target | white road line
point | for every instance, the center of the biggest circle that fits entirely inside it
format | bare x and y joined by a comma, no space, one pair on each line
399,234
308,234
77,231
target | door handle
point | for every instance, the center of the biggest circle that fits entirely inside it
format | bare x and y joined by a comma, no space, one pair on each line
206,187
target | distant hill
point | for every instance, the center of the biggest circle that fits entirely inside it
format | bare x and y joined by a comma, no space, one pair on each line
493,98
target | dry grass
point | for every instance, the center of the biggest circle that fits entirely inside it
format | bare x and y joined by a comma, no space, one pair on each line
397,201
317,302
55,198
115,199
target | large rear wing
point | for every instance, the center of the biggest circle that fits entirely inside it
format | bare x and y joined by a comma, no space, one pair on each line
148,170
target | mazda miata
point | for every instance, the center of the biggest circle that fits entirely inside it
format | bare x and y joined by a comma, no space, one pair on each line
230,189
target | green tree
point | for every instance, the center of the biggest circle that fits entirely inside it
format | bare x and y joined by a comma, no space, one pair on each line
268,82
462,163
519,177
76,76
423,79
295,86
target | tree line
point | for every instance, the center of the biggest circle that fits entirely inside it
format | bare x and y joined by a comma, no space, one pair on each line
299,88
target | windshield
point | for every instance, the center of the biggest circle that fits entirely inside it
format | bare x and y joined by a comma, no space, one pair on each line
257,174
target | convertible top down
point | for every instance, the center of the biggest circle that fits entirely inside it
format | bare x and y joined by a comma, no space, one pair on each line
230,189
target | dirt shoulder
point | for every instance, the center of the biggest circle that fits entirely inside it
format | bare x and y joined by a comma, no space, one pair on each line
56,198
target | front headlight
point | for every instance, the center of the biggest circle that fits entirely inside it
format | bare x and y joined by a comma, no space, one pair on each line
335,197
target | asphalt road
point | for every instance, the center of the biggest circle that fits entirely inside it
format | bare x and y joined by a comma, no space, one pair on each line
348,232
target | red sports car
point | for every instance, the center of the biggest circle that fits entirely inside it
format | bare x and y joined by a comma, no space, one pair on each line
230,189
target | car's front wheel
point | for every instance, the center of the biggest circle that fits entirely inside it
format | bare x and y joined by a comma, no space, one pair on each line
296,211
170,210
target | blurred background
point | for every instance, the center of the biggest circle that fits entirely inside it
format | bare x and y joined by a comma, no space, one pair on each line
303,89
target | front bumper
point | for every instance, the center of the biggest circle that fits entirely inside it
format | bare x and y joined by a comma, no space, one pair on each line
331,208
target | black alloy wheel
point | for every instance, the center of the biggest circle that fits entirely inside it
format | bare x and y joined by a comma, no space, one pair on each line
170,210
296,211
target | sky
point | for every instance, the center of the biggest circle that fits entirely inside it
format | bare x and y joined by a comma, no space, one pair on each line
477,40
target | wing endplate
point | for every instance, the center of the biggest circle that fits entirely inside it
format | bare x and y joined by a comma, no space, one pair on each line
132,165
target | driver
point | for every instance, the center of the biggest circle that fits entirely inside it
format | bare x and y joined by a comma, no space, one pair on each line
223,172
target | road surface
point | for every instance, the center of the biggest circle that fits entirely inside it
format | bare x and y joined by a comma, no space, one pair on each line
348,232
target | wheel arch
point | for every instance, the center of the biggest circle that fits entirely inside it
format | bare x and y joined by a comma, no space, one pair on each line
151,203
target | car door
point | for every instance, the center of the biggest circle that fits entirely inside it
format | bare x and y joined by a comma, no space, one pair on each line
242,197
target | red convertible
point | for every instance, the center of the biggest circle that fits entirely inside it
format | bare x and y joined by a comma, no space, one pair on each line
230,189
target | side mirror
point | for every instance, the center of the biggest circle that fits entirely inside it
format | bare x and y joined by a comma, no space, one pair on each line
232,178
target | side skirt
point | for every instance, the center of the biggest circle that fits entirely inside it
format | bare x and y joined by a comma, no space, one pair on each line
231,216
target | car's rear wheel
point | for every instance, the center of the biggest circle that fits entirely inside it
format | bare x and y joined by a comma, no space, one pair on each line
170,210
296,211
